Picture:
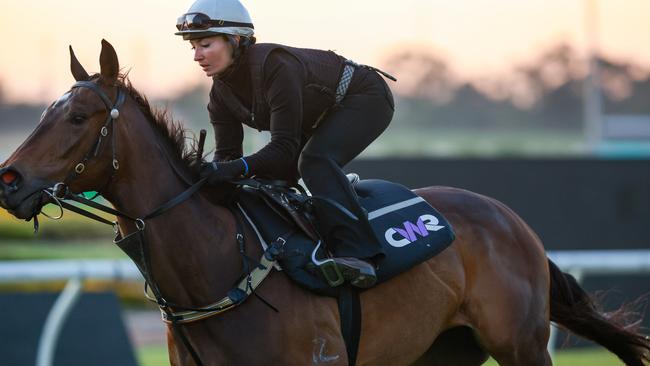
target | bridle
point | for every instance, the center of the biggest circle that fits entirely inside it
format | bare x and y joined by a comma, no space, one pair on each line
135,245
60,190
113,115
109,124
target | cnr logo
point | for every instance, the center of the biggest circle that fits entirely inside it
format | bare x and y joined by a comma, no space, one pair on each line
399,237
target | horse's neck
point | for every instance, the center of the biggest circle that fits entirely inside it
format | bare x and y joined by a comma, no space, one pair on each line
192,251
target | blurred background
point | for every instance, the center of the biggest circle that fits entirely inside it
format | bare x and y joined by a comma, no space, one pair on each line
544,105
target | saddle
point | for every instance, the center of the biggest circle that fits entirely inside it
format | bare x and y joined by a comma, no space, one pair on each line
409,229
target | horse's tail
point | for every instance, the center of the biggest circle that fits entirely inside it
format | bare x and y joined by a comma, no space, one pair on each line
574,309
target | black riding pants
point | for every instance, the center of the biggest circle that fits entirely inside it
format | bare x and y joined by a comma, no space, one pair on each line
364,114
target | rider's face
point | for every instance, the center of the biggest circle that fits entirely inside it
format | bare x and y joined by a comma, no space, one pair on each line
214,54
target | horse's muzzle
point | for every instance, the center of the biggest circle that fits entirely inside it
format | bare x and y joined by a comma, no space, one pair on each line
21,197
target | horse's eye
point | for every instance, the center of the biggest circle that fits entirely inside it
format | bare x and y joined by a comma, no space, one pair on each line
78,119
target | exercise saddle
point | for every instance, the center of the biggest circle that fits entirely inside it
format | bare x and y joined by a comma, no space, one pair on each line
408,228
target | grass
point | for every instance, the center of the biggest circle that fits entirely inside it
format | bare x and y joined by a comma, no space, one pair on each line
78,249
587,357
71,227
153,355
130,293
157,356
73,237
580,357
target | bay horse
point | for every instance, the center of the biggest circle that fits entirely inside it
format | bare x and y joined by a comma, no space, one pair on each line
492,292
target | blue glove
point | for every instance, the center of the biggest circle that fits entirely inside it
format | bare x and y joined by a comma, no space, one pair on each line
217,172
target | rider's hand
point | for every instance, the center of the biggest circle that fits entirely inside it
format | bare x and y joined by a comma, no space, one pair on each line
217,172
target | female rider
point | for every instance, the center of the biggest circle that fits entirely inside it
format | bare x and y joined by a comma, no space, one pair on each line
321,110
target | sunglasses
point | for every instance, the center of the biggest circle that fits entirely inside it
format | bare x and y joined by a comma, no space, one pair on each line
200,21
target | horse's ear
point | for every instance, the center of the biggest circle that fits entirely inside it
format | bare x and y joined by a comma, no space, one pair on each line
109,64
77,70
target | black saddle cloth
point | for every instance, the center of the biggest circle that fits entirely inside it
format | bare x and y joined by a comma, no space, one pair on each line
408,228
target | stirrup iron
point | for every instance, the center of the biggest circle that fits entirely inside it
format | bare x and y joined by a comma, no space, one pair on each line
330,269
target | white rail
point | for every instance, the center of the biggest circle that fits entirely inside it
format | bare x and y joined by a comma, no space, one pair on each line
57,270
588,262
579,263
72,271
55,321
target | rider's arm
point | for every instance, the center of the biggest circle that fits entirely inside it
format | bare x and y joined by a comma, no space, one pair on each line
228,132
283,81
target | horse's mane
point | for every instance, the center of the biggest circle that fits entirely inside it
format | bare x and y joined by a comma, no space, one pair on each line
175,136
173,132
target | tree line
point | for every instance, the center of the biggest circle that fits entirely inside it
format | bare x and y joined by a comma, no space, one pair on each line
543,93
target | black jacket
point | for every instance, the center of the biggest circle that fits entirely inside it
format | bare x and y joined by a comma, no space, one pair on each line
284,90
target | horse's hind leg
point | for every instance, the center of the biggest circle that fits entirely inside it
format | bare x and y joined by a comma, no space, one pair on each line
532,357
512,324
457,347
527,351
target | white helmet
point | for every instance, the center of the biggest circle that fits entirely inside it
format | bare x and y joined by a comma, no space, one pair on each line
209,17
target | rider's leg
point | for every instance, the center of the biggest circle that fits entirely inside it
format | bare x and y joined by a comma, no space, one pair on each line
341,136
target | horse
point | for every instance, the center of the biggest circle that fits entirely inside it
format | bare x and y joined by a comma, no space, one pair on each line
492,292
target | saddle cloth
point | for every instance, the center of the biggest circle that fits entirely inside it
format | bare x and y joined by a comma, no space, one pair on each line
408,228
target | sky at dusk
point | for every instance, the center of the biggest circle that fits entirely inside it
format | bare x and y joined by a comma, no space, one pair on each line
476,37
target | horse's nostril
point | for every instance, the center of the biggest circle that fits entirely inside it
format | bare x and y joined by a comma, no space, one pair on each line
9,177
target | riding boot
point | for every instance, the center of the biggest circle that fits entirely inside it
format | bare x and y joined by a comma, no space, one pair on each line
359,273
348,233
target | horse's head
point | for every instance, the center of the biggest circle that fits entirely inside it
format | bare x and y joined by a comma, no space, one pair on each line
74,143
